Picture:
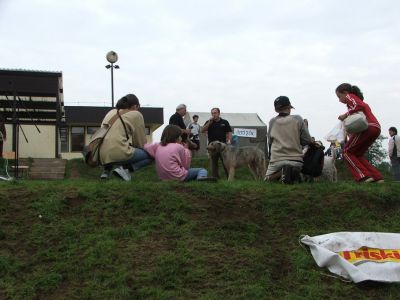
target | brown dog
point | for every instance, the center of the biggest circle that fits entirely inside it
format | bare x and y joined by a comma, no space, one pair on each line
234,157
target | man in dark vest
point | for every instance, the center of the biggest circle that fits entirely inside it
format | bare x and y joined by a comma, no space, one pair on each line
394,152
177,119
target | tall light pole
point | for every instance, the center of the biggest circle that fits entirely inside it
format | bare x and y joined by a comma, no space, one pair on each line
112,58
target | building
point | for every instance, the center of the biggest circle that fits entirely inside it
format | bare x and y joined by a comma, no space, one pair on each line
82,121
40,126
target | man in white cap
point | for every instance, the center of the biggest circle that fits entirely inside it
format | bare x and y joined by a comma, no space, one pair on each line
287,134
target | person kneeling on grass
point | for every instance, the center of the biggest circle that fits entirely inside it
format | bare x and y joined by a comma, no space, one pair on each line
173,157
123,144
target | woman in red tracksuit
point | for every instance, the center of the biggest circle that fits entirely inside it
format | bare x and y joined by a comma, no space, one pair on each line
359,143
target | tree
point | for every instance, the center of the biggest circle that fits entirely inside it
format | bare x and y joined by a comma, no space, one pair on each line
376,154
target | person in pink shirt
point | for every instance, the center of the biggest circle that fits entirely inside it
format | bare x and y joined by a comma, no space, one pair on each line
358,143
173,157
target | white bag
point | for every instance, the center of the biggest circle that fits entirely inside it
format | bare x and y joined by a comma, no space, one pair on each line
337,134
356,123
358,256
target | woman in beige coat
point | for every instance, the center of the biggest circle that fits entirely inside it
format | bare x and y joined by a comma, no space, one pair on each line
123,144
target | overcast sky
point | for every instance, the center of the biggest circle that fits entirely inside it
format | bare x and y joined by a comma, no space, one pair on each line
238,55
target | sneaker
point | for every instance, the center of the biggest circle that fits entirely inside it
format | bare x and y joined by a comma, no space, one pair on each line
211,179
105,175
286,177
379,181
367,180
122,173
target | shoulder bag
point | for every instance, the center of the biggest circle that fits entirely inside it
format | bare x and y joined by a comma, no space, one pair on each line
91,152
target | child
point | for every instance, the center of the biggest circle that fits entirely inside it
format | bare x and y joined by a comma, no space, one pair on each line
358,143
195,132
173,158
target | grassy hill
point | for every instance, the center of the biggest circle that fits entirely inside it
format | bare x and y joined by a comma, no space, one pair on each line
81,238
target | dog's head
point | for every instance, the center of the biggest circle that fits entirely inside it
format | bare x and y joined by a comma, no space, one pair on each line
216,147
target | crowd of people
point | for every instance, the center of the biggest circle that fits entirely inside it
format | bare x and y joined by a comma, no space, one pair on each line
125,148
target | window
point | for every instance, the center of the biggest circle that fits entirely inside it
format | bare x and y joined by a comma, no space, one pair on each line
77,138
64,139
147,130
91,129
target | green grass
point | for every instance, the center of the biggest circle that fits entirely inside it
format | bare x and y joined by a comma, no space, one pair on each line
84,239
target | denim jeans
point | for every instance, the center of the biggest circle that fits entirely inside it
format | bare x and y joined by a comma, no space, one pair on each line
195,173
139,159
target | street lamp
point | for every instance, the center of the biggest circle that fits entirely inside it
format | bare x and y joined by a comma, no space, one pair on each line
112,58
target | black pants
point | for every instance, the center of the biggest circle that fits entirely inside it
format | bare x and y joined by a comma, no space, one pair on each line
214,165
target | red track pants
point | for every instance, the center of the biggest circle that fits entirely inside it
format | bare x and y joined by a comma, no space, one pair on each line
354,151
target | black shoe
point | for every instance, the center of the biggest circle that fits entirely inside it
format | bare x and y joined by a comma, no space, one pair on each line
296,176
211,179
286,177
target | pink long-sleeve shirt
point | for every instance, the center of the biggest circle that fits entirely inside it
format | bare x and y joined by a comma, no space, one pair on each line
172,160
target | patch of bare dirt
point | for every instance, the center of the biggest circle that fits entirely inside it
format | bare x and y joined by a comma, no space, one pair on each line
240,208
74,172
72,199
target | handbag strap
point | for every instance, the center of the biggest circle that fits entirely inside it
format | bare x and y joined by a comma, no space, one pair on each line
123,123
114,118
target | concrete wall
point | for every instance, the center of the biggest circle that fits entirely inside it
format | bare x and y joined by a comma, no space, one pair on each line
39,145
42,145
72,155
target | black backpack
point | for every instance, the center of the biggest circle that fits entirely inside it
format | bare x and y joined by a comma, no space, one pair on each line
313,161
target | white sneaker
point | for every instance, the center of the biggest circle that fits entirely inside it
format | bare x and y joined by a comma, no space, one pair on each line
105,175
122,173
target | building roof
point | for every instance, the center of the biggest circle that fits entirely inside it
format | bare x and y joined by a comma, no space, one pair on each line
234,119
35,96
30,72
95,115
30,83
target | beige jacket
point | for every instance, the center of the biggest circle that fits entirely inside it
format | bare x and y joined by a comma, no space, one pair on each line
116,147
286,137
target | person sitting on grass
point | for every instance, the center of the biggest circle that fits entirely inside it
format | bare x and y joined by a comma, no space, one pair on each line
123,144
173,157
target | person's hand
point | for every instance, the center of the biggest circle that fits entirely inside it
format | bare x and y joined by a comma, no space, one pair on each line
342,117
228,142
185,145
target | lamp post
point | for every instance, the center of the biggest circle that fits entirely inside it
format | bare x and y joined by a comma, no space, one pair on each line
112,58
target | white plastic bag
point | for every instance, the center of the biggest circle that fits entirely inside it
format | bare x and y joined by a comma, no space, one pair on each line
356,123
337,134
358,256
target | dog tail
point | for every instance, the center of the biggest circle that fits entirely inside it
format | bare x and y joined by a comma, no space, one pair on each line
261,162
334,153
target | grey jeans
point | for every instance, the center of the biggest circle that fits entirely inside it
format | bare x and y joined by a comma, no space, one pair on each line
395,162
276,166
